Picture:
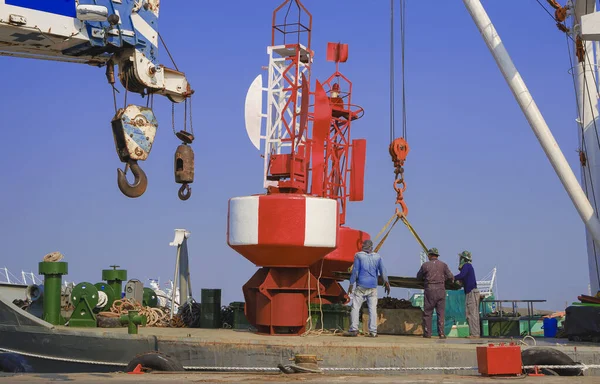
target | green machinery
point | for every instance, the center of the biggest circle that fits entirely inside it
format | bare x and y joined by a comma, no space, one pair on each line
53,272
89,299
133,320
115,278
150,298
85,298
111,296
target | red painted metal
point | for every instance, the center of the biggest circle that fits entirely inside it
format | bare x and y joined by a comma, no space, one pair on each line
338,145
320,150
280,226
339,260
493,360
304,105
357,174
337,52
321,120
334,158
277,299
277,295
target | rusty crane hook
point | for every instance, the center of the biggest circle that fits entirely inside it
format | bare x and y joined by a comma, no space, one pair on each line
140,183
185,192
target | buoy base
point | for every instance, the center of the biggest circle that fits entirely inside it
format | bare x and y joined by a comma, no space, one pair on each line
277,300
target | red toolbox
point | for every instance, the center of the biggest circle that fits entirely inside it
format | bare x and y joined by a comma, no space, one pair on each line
500,359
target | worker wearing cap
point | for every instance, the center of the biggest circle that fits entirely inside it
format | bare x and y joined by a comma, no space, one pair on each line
368,266
472,296
435,273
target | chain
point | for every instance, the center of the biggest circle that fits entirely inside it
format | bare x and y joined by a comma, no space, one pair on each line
582,366
236,369
399,150
398,147
185,110
115,98
400,187
403,369
173,116
191,110
63,358
185,116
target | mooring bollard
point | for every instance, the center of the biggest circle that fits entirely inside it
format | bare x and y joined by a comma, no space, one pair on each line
133,320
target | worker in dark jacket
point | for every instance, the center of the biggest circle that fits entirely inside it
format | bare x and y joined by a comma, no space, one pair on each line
472,296
435,273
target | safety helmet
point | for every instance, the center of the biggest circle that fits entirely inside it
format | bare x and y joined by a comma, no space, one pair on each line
465,255
433,251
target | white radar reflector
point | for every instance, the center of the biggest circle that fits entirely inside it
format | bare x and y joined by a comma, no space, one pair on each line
253,111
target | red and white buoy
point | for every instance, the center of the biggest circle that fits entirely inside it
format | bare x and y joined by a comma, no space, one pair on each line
294,232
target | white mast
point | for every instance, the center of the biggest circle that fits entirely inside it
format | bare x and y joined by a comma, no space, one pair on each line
538,124
588,127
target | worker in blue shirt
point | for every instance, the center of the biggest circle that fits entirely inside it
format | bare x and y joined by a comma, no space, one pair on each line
472,295
368,265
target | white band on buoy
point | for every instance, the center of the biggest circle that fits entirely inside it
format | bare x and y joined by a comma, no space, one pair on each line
102,299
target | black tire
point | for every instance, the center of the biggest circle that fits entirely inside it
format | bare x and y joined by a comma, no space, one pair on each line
14,363
550,356
155,361
549,372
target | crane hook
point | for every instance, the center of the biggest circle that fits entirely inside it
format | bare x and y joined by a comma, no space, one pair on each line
185,192
140,183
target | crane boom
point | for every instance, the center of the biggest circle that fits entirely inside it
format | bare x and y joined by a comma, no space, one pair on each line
102,33
93,32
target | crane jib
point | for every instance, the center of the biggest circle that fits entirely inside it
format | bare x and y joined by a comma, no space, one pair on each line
57,7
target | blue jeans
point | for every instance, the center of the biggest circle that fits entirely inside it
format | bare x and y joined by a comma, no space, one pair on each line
361,294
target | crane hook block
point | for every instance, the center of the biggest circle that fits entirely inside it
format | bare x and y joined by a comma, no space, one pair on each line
184,170
399,150
134,129
184,192
139,185
184,164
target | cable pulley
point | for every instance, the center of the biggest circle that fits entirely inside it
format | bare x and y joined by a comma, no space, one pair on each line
184,157
399,147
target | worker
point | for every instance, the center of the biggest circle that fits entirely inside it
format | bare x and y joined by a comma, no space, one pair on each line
472,296
368,266
434,273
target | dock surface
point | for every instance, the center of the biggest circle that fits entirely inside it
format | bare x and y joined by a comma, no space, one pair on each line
68,349
272,378
233,348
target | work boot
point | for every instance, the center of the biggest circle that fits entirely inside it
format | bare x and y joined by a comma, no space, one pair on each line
442,336
351,333
427,336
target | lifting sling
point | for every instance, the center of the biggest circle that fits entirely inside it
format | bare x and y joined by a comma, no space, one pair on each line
398,147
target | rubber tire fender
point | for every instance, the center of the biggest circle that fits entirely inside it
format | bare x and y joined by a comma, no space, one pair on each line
156,361
550,356
14,363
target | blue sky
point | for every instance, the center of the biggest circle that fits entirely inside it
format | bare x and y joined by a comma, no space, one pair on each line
477,178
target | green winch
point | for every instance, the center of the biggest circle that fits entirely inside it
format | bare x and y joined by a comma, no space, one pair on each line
85,298
115,278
